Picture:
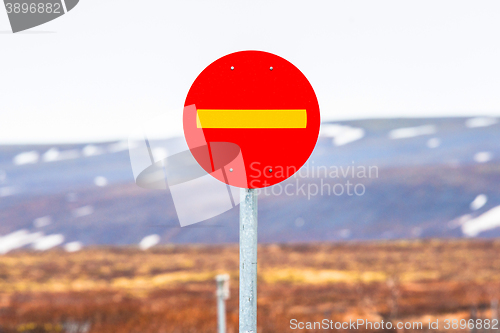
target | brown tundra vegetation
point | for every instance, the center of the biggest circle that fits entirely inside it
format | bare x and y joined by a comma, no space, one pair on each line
172,289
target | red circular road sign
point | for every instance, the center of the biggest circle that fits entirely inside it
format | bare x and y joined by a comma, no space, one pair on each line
251,119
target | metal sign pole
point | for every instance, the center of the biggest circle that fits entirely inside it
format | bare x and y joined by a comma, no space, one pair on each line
248,261
222,295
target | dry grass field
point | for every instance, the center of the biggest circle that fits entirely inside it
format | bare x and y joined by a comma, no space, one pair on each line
172,289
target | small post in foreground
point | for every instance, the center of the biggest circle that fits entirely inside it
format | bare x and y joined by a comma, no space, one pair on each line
248,261
222,296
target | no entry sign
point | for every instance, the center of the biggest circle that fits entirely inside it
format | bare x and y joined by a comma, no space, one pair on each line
251,119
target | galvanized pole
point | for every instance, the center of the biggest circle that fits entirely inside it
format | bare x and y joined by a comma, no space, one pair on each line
222,295
248,261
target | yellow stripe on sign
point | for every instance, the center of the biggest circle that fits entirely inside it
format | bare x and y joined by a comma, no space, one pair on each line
251,118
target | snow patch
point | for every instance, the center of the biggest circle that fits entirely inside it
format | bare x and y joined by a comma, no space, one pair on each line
29,157
479,202
48,242
53,154
42,221
433,143
91,150
341,134
73,247
17,240
149,241
480,122
411,132
483,157
100,181
83,211
487,221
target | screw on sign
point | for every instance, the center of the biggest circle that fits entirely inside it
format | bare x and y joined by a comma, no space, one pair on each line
251,120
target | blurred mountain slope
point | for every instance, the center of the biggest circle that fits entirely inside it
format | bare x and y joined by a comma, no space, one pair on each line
425,175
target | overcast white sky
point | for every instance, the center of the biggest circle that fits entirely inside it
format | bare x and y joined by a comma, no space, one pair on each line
106,66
